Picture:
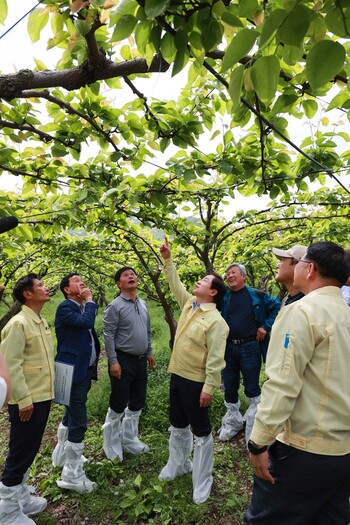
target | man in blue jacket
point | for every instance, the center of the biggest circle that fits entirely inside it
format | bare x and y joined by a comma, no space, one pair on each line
78,345
250,314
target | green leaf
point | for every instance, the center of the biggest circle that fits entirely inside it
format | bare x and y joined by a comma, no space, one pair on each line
37,20
181,40
124,27
195,41
248,8
57,39
240,45
264,74
292,54
338,21
235,87
284,104
155,37
3,11
142,33
82,27
317,29
295,26
231,19
339,100
138,480
323,62
167,46
25,231
126,7
155,8
211,34
40,66
180,61
271,25
310,108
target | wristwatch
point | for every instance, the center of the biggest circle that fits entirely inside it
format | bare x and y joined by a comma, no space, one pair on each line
255,449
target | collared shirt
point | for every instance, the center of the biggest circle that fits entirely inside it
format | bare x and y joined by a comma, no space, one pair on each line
240,315
27,347
306,399
126,327
289,299
200,339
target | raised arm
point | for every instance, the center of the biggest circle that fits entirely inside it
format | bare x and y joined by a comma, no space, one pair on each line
176,286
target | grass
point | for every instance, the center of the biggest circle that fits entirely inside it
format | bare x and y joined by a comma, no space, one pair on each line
130,492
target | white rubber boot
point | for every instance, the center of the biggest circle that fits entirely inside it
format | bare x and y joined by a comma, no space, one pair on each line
232,422
58,455
180,448
30,504
112,435
203,462
130,430
73,476
249,416
10,506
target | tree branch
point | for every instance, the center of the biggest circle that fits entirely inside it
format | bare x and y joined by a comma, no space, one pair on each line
14,85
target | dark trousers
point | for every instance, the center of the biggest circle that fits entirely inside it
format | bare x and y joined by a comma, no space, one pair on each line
25,441
75,416
246,359
130,390
310,489
184,406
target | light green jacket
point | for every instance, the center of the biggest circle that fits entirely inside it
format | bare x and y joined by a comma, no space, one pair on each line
26,343
306,400
200,339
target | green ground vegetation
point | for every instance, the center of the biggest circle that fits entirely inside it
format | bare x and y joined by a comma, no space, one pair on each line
129,492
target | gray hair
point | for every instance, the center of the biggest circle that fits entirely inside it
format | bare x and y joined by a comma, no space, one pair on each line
240,266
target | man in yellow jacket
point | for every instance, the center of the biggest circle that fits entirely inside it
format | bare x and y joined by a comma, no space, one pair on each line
300,443
196,363
27,347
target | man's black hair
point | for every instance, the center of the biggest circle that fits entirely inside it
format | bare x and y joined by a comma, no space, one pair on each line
219,285
121,270
24,284
65,282
330,259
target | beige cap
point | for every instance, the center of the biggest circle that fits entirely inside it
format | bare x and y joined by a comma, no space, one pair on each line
295,252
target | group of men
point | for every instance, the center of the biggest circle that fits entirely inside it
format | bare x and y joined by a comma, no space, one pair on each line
27,348
297,429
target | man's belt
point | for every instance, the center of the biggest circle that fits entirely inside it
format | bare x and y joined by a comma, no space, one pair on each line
241,341
130,356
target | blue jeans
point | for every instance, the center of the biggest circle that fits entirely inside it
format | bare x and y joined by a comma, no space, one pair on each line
75,417
310,489
242,359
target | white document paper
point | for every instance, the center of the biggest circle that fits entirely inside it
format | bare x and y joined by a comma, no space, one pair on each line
63,382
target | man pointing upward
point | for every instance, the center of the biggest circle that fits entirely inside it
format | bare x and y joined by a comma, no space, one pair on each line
196,363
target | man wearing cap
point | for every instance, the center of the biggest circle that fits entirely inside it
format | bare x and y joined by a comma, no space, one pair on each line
250,314
285,271
300,443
